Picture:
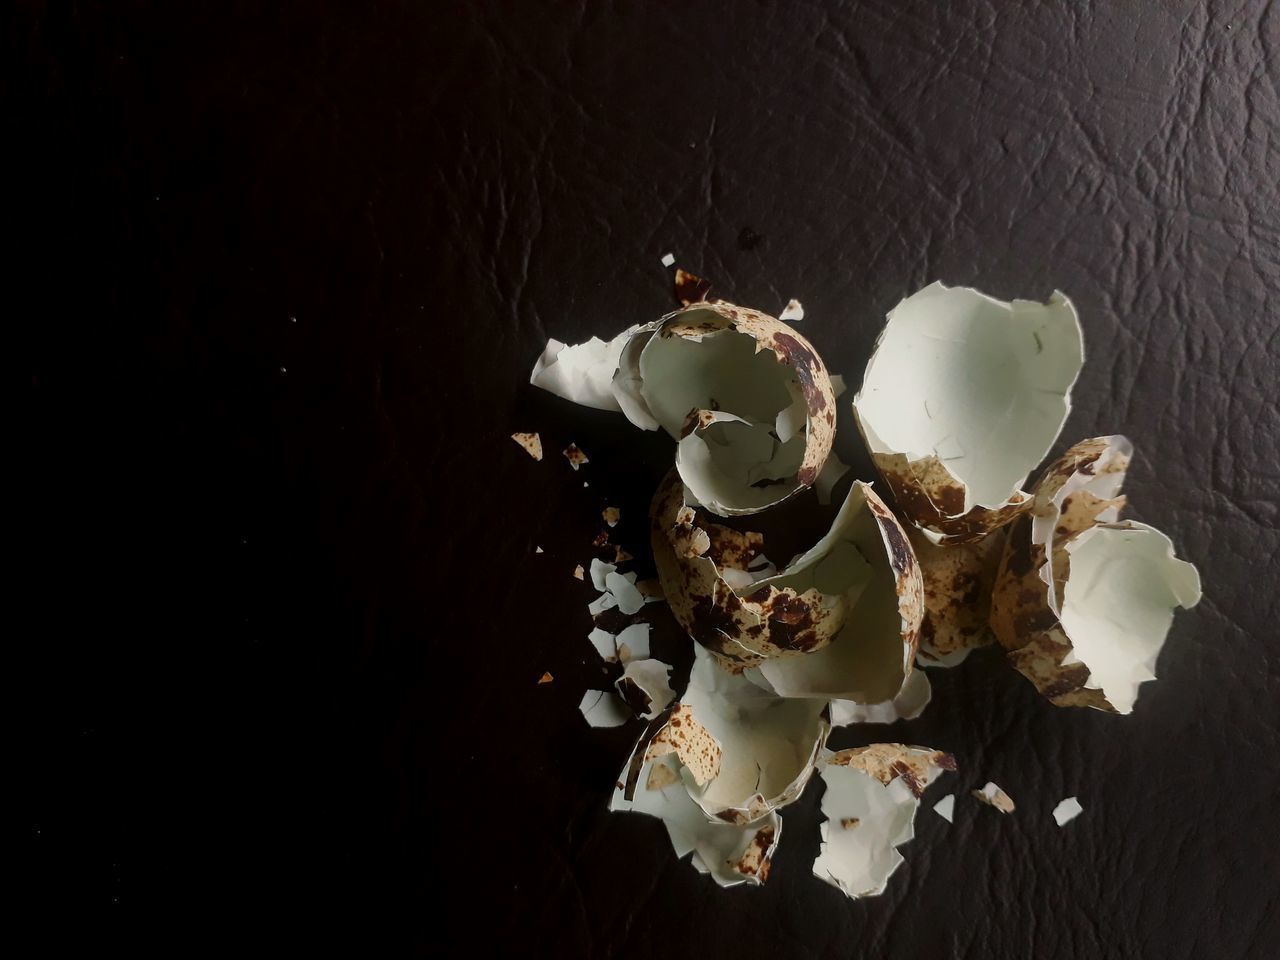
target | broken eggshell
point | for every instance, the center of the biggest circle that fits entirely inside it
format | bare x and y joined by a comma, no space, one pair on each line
840,622
744,752
645,685
582,372
745,396
872,795
962,398
732,854
958,580
1083,602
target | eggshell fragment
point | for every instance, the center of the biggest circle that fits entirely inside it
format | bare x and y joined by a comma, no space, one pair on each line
872,795
611,515
582,372
604,708
961,399
1082,602
633,643
744,751
840,622
531,443
792,312
645,685
730,853
690,288
916,766
575,456
993,796
745,396
1067,810
958,580
946,807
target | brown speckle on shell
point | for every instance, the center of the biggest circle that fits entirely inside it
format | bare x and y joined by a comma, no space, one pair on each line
958,582
890,761
689,740
931,498
1022,608
756,860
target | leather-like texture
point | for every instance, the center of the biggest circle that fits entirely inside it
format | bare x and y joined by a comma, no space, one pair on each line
324,244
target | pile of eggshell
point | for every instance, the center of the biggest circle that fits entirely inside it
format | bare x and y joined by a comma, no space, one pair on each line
962,398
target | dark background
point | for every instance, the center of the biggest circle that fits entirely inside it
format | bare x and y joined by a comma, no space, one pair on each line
278,272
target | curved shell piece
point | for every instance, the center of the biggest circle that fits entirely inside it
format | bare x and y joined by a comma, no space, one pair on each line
962,398
746,397
1083,603
745,753
872,795
842,621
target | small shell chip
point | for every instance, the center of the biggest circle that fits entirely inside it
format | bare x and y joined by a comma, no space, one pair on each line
993,796
531,443
575,456
645,685
1066,811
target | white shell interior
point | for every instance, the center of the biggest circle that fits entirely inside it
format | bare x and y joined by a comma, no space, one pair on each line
582,372
747,459
735,466
720,371
982,384
860,858
865,661
767,743
1118,604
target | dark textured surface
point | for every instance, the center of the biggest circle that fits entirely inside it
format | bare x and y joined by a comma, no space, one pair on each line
283,615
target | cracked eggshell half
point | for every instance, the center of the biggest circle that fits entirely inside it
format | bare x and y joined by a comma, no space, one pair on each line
745,396
961,400
732,854
870,659
840,622
872,795
744,752
958,581
1083,603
